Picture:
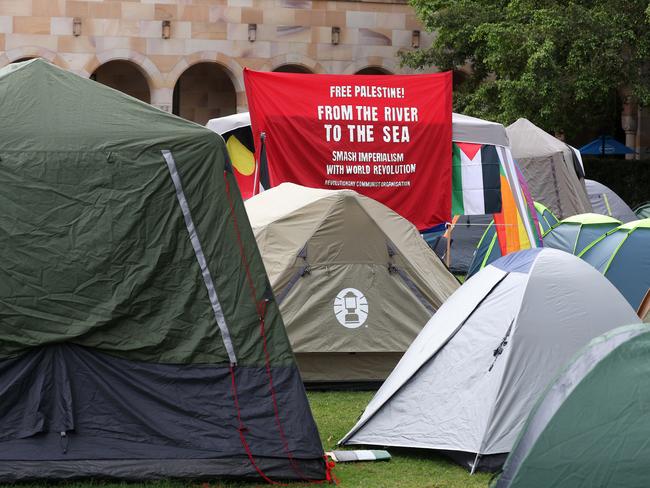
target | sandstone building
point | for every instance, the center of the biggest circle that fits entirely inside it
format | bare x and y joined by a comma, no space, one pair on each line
187,56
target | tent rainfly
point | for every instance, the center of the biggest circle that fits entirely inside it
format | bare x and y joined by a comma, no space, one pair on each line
469,380
488,249
623,256
575,233
591,426
138,338
605,202
551,167
643,211
355,281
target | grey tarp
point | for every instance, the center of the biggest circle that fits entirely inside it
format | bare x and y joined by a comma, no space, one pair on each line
551,169
467,383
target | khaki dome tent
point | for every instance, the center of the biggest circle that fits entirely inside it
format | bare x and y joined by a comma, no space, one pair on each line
355,281
551,167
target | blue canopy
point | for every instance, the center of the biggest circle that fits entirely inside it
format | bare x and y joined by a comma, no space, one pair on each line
605,145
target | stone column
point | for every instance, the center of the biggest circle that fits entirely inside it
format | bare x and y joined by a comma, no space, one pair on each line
162,98
629,122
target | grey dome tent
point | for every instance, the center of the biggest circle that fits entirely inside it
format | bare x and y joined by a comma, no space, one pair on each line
355,281
551,168
469,380
138,336
591,426
575,233
605,202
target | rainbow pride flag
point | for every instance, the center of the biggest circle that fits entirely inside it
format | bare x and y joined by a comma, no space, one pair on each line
509,223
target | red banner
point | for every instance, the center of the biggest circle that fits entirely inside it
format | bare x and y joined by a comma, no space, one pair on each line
387,137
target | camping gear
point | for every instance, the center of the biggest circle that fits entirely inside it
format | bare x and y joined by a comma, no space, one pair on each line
590,427
623,256
605,146
488,249
605,202
139,339
643,211
575,233
468,381
551,168
355,282
359,455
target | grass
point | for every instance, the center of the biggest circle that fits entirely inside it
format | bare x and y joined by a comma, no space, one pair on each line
335,414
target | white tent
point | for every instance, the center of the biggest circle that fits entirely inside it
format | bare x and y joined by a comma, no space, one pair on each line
467,383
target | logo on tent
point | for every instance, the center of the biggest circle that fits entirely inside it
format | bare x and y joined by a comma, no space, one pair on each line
351,308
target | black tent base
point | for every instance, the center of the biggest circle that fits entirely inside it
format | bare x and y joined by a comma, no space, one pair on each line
156,469
486,463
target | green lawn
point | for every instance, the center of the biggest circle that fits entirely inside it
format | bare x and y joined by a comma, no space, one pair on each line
336,413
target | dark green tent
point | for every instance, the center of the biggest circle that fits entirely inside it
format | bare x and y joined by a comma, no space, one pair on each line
139,338
591,426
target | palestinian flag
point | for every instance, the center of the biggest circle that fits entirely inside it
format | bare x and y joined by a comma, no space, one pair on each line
476,182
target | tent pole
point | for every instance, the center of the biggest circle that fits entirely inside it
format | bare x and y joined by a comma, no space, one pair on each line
478,455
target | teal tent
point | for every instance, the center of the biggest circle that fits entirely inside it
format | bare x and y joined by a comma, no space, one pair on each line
488,249
643,211
623,256
139,337
591,426
575,233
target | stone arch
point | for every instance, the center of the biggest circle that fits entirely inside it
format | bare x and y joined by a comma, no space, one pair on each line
204,91
31,52
294,59
148,69
385,64
373,70
125,76
232,68
292,68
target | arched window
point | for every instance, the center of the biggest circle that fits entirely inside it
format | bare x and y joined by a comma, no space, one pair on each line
203,92
124,76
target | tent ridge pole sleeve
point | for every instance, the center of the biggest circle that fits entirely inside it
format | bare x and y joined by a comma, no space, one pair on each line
200,256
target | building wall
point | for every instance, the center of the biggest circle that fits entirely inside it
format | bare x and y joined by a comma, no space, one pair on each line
216,31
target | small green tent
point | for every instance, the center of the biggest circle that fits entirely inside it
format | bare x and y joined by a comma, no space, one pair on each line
591,426
575,233
139,337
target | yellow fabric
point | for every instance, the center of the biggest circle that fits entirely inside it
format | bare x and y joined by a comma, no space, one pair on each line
242,159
